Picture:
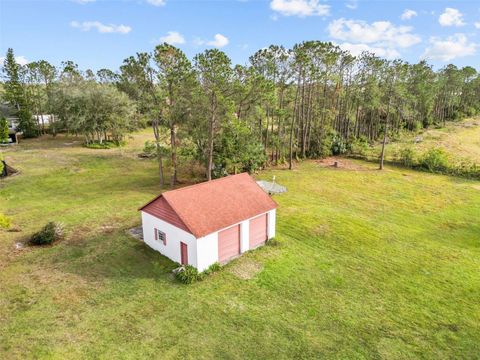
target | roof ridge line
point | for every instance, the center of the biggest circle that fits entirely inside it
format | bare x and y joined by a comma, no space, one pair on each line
205,182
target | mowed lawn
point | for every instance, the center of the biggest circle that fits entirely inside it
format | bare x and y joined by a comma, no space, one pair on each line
366,264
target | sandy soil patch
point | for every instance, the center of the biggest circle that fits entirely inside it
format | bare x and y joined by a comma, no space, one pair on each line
340,163
246,269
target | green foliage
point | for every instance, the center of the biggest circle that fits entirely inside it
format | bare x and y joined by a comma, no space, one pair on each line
359,147
321,144
149,149
212,269
98,111
106,144
339,145
50,233
435,160
26,123
188,274
3,131
237,150
16,95
5,221
407,156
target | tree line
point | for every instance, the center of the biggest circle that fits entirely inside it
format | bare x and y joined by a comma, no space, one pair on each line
310,101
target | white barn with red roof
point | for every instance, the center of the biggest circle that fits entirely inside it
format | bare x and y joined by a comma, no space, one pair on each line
210,222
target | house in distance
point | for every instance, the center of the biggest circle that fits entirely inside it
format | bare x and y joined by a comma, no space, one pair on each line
210,222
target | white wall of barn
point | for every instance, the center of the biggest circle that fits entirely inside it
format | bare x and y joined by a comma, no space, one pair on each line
271,223
207,251
202,252
174,234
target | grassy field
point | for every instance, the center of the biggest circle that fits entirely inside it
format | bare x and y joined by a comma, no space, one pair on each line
461,140
366,264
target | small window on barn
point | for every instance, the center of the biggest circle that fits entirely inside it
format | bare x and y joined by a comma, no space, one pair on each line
161,236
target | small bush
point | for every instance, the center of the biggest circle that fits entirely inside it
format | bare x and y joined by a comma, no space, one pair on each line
359,147
407,157
50,233
188,275
5,222
212,269
273,242
435,160
339,146
149,149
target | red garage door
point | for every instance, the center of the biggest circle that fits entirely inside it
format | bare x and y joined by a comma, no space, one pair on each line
228,243
258,231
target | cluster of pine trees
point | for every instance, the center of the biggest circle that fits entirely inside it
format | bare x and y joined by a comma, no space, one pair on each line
309,101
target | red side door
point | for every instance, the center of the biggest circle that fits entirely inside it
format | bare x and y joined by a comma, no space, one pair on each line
184,253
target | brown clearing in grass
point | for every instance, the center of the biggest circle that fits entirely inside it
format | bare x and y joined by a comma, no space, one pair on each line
246,269
342,163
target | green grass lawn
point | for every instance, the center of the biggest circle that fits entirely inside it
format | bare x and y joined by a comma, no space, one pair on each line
460,140
366,264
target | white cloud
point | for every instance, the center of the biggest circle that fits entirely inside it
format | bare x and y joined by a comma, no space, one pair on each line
477,25
408,14
101,28
451,17
173,38
352,4
157,2
21,60
357,49
452,47
382,38
83,2
300,8
219,41
380,33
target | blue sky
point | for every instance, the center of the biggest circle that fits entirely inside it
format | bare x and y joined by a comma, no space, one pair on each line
101,33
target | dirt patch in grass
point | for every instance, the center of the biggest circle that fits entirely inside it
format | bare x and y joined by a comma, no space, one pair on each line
322,230
246,269
136,232
79,235
340,163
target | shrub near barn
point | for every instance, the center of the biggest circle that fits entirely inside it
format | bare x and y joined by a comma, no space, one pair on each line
48,234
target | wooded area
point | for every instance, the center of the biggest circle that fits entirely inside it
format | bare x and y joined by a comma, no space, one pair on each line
310,101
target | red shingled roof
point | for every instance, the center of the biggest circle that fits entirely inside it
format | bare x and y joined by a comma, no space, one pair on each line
211,206
160,208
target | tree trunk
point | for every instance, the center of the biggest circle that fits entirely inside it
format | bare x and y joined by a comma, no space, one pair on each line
156,132
173,139
295,110
290,156
382,155
211,133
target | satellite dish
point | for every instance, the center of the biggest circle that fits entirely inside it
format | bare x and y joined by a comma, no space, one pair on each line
271,187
